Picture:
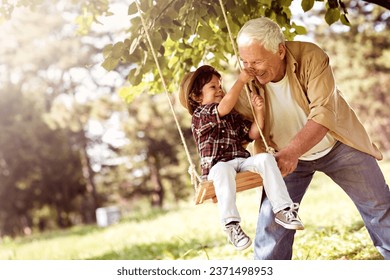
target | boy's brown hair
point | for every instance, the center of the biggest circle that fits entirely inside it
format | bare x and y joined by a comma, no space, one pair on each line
192,84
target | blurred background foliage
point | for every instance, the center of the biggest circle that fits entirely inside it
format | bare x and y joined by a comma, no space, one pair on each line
83,124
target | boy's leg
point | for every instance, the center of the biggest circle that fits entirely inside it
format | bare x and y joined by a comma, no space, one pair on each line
223,175
273,183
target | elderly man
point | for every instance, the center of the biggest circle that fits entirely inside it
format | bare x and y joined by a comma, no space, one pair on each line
312,128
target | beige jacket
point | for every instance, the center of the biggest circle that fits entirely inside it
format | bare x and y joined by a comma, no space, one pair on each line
314,88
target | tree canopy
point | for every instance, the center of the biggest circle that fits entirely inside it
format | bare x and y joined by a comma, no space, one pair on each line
185,33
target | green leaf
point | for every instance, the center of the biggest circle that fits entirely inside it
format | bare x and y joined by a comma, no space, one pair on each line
134,45
165,21
110,63
134,77
285,3
132,9
175,35
143,46
300,30
282,19
118,50
205,31
332,15
128,93
173,61
107,50
161,50
176,22
156,40
144,5
307,5
344,20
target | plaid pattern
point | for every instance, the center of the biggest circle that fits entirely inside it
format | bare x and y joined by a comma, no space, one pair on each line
219,139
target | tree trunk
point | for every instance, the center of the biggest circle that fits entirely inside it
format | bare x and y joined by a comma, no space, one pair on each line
158,190
90,203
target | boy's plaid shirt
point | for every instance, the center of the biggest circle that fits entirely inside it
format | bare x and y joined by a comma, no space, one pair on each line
219,138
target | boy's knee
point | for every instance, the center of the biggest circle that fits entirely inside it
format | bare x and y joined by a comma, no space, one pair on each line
220,168
222,165
264,158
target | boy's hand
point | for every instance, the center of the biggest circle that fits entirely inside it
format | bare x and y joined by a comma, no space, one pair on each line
258,102
246,76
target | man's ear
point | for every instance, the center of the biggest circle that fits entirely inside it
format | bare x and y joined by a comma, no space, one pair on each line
282,51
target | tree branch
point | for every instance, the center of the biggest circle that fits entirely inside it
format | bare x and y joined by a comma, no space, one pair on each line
382,3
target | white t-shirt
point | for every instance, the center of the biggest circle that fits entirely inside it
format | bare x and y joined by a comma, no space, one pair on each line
287,119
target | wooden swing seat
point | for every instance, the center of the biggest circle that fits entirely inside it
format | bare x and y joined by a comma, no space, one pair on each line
244,181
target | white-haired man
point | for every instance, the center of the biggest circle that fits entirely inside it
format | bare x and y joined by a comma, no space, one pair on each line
312,128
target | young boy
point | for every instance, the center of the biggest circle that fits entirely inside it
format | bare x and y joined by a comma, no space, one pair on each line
220,134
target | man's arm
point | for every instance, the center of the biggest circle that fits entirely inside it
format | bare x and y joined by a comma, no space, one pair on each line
310,135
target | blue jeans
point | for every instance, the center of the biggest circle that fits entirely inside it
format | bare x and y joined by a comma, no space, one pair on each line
358,174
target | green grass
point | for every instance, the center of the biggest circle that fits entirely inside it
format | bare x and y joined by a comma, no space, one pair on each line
334,230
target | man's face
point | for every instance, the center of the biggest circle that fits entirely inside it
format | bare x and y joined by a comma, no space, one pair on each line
267,66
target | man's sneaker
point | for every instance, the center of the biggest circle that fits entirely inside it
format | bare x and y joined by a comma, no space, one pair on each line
237,236
288,218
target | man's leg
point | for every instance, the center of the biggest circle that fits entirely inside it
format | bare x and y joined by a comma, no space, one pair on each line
359,175
272,241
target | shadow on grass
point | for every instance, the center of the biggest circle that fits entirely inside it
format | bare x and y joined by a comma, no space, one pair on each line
83,230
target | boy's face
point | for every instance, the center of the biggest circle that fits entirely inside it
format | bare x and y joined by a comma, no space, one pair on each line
212,91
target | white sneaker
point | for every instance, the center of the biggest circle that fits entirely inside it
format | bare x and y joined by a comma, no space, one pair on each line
237,236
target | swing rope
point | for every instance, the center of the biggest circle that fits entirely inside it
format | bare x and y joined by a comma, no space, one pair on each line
192,169
268,148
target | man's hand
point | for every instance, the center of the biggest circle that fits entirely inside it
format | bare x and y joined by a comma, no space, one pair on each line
309,136
287,161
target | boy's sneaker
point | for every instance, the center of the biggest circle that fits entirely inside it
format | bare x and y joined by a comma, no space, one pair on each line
288,218
237,236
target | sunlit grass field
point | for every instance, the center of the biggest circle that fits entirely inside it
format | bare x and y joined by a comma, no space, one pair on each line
334,230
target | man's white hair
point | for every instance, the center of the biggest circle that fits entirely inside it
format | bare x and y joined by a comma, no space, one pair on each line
262,30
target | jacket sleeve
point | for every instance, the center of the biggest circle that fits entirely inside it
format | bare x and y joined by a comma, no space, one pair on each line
321,89
328,107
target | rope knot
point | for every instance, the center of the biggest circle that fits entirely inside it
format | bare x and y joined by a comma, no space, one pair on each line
270,150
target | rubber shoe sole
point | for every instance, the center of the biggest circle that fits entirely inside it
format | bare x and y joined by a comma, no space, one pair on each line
249,243
290,226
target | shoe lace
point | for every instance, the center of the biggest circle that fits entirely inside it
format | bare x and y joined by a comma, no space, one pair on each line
292,213
238,232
